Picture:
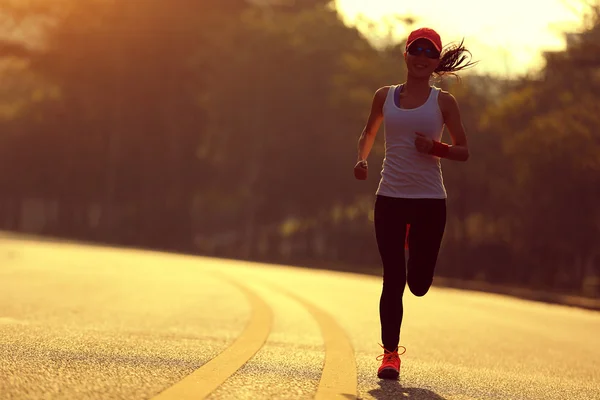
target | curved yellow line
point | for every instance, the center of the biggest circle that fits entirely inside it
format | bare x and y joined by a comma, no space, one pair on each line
211,375
339,377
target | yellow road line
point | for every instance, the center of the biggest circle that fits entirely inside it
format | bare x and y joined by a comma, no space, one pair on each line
211,375
339,377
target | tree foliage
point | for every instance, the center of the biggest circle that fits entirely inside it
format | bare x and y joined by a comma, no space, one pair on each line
230,128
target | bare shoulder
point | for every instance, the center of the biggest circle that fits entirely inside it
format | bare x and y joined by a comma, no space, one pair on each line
447,100
379,100
448,103
382,92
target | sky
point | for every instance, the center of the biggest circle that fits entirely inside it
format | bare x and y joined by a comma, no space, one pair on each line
507,37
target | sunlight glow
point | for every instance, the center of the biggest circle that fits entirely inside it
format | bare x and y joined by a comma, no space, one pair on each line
507,37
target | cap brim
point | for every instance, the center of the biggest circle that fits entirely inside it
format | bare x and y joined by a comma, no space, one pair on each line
426,38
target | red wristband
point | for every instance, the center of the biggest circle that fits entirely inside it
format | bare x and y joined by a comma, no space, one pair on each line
439,149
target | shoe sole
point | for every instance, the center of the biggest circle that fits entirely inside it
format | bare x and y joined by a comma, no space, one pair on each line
388,373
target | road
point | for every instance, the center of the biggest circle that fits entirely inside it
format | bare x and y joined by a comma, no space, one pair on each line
83,322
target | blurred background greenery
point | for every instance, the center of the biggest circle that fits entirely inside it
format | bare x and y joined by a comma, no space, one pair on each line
229,129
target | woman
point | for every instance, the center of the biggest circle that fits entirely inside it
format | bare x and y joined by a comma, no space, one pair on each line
411,192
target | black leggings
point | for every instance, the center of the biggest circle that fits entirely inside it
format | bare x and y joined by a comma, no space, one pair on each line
427,220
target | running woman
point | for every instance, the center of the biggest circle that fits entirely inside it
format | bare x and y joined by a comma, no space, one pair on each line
410,203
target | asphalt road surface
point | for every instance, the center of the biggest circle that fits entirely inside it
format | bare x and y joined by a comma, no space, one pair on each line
82,322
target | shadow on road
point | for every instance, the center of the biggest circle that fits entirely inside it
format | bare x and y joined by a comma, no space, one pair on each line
391,390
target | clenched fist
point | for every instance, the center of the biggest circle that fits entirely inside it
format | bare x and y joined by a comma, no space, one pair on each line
423,143
361,170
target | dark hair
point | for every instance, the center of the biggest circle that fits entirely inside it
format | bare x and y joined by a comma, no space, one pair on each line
452,59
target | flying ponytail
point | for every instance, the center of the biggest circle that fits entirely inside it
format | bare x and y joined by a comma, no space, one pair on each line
453,60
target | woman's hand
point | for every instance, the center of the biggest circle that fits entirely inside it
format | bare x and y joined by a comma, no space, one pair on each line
361,170
423,143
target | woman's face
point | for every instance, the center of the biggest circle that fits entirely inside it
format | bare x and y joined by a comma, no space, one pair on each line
422,58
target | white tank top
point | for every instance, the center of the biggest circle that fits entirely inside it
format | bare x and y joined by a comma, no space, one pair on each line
406,172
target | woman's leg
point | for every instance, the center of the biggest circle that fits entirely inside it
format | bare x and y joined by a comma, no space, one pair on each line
390,231
428,222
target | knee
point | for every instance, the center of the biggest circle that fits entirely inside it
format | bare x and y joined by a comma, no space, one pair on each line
394,285
419,289
394,276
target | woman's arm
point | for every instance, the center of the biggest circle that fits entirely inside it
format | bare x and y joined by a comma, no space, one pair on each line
459,150
367,137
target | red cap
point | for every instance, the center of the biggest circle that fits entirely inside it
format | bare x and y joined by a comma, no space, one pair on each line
425,33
